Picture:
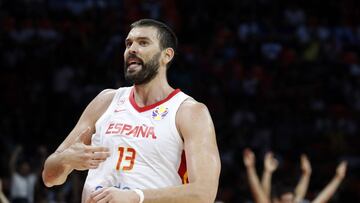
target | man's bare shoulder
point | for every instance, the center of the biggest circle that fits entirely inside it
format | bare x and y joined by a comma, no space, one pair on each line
101,102
192,114
106,95
191,106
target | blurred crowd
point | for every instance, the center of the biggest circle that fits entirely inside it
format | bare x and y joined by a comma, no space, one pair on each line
276,75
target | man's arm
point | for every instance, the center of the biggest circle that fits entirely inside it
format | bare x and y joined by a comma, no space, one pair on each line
255,186
202,159
302,186
75,152
270,165
3,198
331,188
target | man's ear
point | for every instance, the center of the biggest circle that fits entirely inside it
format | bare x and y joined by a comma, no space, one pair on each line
168,55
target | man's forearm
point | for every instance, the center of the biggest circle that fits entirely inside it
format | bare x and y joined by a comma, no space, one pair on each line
302,186
3,198
266,182
55,172
255,186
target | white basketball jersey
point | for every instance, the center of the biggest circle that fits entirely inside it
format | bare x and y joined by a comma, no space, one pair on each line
145,146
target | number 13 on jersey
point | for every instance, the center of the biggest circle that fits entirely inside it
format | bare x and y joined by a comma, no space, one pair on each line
126,158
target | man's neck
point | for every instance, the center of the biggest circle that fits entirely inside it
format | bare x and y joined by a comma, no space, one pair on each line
152,92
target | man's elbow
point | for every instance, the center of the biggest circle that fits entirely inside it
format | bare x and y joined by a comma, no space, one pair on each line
206,189
204,194
49,180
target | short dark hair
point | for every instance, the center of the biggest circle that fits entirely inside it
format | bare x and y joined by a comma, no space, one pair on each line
166,35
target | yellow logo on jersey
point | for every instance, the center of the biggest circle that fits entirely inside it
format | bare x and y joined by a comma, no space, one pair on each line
159,113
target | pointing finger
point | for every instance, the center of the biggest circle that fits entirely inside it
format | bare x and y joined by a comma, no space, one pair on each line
100,155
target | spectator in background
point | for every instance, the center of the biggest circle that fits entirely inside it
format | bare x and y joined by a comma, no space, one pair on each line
22,179
284,194
261,191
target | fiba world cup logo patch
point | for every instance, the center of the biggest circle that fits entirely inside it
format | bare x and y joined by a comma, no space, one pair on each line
159,113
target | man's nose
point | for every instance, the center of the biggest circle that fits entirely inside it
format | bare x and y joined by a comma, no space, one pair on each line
133,49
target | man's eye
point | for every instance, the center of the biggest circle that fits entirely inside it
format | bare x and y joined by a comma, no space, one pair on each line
143,43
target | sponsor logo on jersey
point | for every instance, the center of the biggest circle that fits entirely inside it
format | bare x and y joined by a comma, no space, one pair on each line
119,105
121,101
142,131
159,113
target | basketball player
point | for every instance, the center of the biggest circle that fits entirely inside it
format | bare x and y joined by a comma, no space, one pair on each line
285,194
135,140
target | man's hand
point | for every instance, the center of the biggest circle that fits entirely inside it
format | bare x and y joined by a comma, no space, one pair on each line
270,162
113,195
270,165
80,156
249,158
305,164
341,170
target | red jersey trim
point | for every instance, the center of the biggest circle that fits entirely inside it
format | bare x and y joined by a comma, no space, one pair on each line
182,171
146,108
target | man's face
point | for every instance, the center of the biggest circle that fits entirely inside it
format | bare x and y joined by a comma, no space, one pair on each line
142,55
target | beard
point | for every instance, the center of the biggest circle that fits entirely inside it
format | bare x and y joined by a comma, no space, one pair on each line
147,72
